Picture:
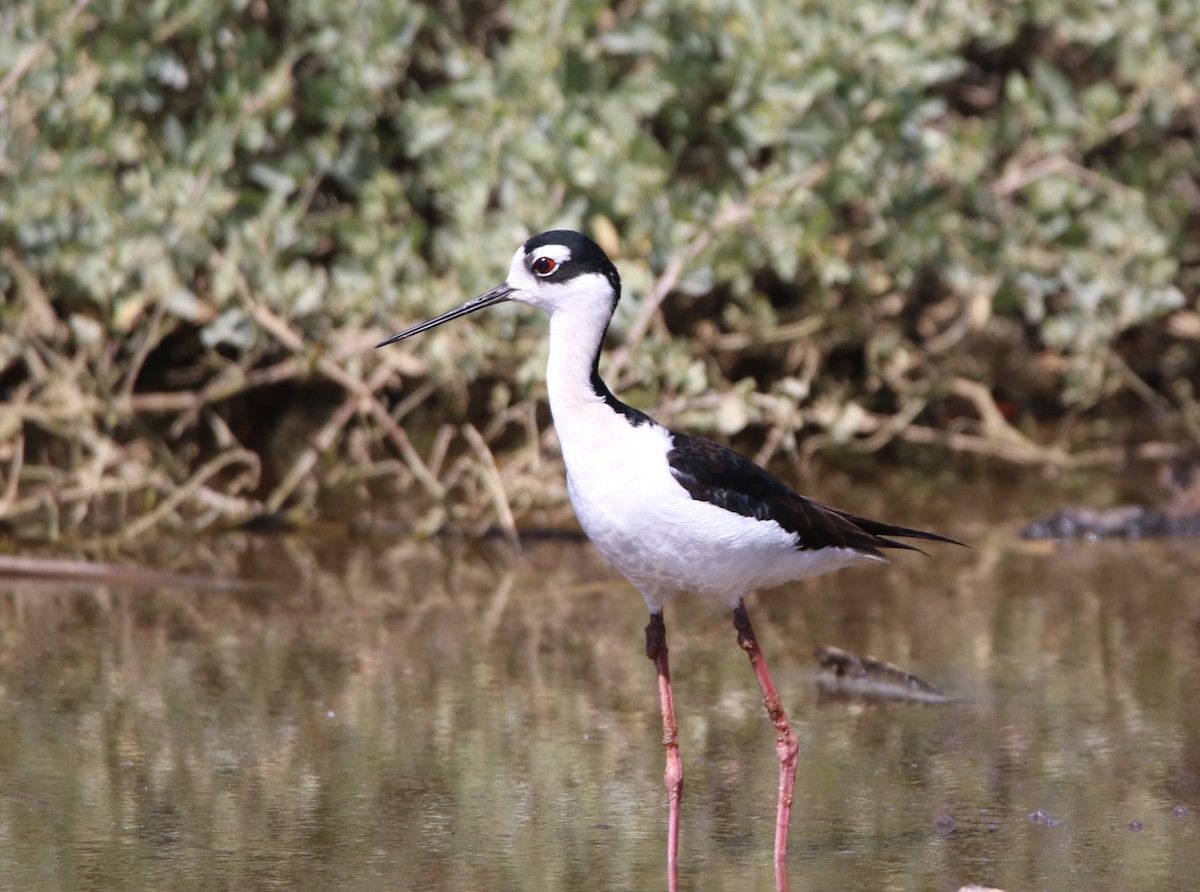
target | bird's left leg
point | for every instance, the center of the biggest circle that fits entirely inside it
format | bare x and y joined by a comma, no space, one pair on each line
656,650
786,745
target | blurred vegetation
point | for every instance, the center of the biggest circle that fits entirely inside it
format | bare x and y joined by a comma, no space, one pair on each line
963,224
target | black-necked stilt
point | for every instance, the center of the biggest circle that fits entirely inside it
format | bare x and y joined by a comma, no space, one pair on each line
672,512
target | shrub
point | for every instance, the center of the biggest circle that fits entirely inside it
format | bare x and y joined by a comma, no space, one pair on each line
890,202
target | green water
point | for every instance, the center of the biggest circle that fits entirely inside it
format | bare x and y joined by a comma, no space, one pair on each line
437,716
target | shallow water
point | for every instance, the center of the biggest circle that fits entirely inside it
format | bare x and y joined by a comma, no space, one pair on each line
443,716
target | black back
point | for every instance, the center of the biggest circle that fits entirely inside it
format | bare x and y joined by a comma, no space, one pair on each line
713,473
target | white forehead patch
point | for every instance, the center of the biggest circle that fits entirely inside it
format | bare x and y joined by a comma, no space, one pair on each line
558,253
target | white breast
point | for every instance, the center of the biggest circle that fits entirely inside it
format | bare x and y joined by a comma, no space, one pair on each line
659,537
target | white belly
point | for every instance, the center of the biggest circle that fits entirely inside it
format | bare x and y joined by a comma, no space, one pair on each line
664,541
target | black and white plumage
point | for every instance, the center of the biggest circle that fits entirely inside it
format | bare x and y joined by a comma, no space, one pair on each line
672,512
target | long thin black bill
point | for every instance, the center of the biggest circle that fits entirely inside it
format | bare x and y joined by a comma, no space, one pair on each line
497,295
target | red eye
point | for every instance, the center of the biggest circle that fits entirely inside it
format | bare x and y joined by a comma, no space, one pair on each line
544,266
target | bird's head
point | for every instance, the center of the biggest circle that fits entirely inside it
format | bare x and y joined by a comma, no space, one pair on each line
560,271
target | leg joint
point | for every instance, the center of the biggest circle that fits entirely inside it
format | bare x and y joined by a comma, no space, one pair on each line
656,637
741,622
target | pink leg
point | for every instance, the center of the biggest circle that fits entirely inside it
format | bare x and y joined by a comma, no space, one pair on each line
786,745
656,650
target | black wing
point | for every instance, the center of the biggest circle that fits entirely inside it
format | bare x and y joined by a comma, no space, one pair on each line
713,473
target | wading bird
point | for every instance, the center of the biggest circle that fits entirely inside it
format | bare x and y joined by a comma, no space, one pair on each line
672,512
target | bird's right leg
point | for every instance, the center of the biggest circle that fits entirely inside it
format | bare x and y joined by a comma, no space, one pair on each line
787,748
656,650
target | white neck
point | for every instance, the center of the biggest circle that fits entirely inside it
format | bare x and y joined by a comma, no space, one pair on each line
575,337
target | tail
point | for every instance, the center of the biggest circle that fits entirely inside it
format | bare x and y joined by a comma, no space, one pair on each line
882,533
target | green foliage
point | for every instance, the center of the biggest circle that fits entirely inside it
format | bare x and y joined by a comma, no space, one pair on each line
887,167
